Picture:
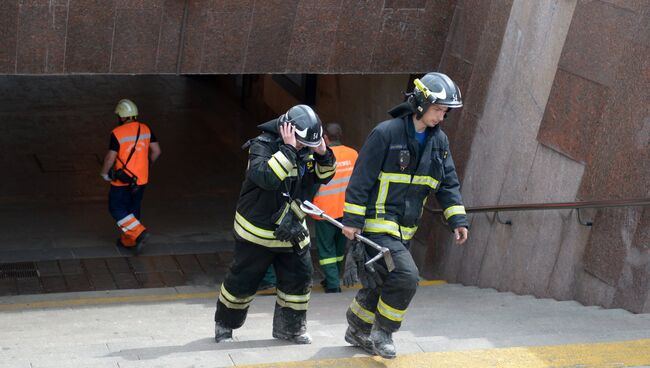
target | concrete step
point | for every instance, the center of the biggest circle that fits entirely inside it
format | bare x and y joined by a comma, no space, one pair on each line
141,330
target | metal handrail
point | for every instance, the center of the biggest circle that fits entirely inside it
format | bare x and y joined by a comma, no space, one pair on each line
552,206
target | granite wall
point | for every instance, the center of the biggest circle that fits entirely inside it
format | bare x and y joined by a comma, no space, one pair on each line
208,36
556,109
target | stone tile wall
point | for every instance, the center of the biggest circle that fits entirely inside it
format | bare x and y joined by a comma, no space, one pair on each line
556,109
221,37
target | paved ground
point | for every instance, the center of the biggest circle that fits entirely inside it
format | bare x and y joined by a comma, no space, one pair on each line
447,326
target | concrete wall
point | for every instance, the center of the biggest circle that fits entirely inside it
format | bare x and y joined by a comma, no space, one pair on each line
563,116
206,36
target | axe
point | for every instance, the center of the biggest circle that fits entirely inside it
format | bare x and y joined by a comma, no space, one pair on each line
311,209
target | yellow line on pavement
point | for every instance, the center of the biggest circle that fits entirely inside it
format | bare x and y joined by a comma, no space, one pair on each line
108,300
143,298
611,354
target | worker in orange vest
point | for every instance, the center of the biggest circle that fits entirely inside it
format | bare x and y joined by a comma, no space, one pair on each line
330,198
133,147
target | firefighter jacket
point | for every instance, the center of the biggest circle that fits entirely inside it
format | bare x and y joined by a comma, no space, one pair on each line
393,176
277,174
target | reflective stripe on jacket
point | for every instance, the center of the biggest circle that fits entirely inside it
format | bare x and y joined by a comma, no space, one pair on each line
139,162
393,177
331,196
275,173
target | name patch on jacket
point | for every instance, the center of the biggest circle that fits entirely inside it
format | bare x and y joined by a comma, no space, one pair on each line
397,147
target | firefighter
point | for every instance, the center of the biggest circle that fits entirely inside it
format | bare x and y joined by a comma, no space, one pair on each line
285,162
402,161
330,198
133,148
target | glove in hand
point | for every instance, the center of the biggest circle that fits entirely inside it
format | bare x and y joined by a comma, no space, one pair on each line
350,273
371,276
285,227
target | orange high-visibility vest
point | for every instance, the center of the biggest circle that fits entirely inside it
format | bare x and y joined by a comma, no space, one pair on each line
139,163
331,196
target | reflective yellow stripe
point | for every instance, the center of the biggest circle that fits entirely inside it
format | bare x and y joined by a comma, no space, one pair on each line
295,302
339,259
426,180
386,178
263,233
326,261
389,312
294,306
363,314
283,160
384,181
381,226
295,207
271,243
284,213
257,235
454,210
233,302
277,168
395,177
233,298
230,305
301,298
389,227
354,209
408,232
325,171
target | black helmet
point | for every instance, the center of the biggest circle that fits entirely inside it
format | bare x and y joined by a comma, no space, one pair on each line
309,130
436,88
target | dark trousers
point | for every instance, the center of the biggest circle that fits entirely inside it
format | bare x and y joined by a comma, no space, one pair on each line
122,201
250,263
387,304
331,249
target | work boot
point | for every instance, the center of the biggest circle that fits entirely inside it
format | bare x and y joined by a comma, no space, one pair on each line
140,241
382,342
222,334
356,337
301,339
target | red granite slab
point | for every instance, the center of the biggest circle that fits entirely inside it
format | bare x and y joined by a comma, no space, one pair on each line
90,36
270,36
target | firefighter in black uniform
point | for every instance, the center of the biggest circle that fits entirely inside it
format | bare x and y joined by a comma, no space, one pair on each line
401,162
285,163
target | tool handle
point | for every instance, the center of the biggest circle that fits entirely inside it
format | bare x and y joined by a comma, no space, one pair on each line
312,209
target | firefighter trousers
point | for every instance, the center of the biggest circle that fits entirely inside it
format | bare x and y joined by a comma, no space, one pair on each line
387,304
294,273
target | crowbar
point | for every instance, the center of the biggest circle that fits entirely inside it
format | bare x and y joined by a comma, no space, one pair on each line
312,209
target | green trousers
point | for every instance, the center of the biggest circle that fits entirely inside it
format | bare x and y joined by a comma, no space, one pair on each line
331,249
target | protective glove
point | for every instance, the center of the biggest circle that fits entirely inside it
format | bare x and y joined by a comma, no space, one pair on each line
350,274
374,275
284,219
371,276
298,232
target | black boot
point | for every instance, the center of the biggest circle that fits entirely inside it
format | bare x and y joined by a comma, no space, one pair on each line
356,337
222,333
301,339
290,325
382,342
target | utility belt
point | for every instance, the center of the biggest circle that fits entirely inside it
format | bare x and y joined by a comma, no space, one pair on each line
389,225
